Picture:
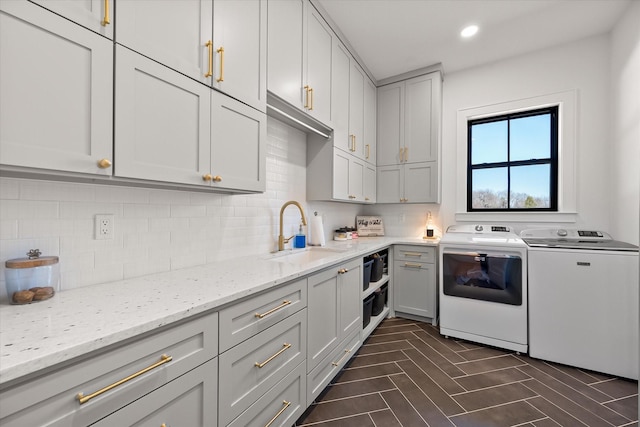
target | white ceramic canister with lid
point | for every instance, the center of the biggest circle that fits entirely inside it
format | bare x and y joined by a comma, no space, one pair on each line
32,279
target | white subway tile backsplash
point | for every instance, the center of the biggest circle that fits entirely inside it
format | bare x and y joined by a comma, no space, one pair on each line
60,191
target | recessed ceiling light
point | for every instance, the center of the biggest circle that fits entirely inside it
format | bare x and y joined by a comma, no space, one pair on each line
469,31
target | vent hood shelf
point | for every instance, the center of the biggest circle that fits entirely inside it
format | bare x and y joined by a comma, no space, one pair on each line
283,111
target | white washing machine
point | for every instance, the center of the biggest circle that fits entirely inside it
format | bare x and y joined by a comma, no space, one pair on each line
583,300
483,285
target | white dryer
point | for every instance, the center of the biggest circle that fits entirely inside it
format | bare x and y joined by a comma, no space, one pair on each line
483,285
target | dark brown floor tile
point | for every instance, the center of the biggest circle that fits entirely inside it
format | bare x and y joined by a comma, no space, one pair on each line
380,348
438,346
356,388
402,409
390,337
492,396
492,364
556,414
546,422
362,420
322,412
434,372
552,371
368,372
385,418
395,329
579,374
490,379
433,331
437,358
632,424
425,407
499,416
618,388
431,388
573,395
627,406
480,353
376,359
580,412
392,321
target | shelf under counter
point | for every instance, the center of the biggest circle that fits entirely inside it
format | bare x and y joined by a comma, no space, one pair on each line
373,286
374,322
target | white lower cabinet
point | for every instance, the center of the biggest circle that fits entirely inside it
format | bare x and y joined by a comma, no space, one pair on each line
414,281
185,402
82,393
252,368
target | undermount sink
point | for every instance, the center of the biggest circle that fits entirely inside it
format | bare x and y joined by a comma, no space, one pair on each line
302,256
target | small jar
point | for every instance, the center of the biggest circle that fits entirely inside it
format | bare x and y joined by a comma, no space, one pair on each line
32,279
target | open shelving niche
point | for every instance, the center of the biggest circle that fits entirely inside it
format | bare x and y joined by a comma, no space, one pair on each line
373,286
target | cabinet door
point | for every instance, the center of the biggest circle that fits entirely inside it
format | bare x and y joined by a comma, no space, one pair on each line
420,182
59,117
323,314
240,47
319,41
414,285
356,179
340,175
96,15
285,49
340,96
172,32
390,124
418,117
370,114
350,285
370,184
185,401
238,148
356,110
162,122
390,184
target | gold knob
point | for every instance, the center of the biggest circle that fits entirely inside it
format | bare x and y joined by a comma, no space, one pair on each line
104,163
207,177
217,178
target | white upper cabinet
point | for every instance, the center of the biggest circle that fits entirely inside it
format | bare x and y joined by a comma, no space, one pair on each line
172,32
370,121
317,86
240,48
408,183
96,15
221,43
356,109
390,124
285,49
340,65
56,86
370,186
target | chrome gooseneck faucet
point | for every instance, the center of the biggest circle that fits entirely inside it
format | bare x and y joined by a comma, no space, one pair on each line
281,239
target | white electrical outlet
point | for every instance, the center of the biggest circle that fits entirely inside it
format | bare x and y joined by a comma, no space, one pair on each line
104,227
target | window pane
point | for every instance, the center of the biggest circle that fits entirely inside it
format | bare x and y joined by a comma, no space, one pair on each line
530,187
530,137
489,142
489,188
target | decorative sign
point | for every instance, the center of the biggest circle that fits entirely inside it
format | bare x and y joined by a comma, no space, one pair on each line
369,226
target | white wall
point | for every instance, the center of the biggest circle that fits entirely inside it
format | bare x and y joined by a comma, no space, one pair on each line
625,126
157,230
583,66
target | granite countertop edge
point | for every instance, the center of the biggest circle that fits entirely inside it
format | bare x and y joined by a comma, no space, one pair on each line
75,322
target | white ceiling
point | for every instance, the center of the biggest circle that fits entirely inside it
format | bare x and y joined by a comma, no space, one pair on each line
396,36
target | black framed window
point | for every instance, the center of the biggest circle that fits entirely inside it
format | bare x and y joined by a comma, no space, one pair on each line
512,162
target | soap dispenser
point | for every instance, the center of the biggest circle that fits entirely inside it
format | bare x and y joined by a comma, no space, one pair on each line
300,239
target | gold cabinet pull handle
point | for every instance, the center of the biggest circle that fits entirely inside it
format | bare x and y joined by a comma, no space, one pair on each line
418,254
284,408
217,178
207,177
306,97
343,271
406,154
412,265
273,310
106,21
355,143
367,199
163,359
368,150
284,348
104,163
311,92
401,154
209,45
221,52
346,351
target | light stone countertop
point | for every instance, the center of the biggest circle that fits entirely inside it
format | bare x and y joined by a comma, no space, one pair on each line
78,321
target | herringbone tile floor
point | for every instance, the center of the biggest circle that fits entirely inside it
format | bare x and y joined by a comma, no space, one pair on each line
406,374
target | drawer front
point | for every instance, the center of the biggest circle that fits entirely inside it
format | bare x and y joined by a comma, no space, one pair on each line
251,368
189,345
250,317
282,405
414,253
185,402
331,365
